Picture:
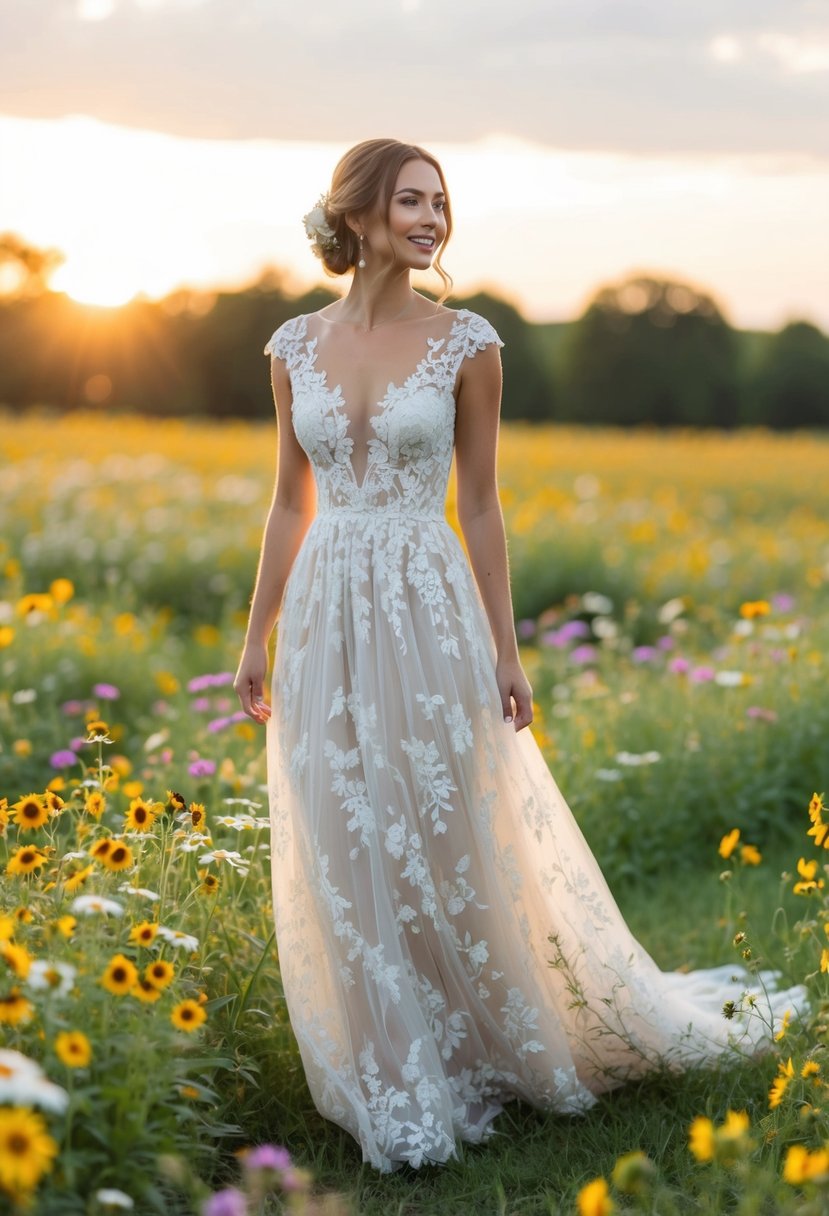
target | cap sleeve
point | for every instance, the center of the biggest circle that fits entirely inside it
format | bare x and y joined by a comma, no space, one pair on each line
480,333
283,340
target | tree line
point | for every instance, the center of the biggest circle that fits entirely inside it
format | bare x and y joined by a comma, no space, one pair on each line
645,351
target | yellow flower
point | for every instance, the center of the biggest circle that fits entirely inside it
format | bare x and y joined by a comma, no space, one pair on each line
27,1151
819,831
188,1015
6,926
14,1008
750,856
25,859
159,973
802,1166
118,857
175,801
145,991
781,1084
729,843
707,1141
816,807
824,960
166,683
73,1048
140,817
133,789
701,1138
754,608
17,958
34,602
30,812
6,636
119,976
145,933
810,1069
95,804
784,1026
632,1173
61,590
74,880
197,814
209,882
66,924
22,747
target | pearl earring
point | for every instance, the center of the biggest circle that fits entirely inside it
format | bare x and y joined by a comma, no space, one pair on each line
362,261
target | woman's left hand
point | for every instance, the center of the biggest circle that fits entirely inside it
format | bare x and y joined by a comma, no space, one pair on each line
514,687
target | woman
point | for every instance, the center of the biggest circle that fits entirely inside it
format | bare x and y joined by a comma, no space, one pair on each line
446,939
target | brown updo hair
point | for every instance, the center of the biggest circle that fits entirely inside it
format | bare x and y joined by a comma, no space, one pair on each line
363,184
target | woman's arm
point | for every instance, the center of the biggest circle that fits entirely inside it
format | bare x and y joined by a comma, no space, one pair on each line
479,513
289,517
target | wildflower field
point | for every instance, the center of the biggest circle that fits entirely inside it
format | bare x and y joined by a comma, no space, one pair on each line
671,595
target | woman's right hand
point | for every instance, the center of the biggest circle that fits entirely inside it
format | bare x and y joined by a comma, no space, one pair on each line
249,683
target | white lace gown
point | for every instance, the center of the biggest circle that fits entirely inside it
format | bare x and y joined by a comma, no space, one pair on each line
446,939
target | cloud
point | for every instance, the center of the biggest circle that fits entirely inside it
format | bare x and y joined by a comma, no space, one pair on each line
619,75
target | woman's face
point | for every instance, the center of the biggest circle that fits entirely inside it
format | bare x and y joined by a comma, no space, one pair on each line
416,225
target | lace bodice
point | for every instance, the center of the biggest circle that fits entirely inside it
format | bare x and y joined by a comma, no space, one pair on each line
410,453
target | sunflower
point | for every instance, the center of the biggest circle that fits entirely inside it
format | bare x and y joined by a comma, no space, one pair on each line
145,991
120,975
15,1008
197,814
17,958
4,815
101,847
140,817
25,859
95,804
144,934
209,882
53,801
159,973
26,1149
66,925
175,801
30,812
73,1048
77,878
119,857
188,1015
23,915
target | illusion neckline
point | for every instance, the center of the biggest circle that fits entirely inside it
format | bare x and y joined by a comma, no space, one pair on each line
378,408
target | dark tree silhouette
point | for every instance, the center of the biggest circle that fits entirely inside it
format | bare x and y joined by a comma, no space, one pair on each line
650,350
790,387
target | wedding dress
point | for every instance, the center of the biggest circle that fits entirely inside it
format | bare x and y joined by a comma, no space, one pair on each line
446,939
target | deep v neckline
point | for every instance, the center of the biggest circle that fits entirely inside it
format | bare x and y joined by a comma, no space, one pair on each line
339,404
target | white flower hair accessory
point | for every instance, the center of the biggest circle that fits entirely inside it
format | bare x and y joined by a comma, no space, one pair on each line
319,231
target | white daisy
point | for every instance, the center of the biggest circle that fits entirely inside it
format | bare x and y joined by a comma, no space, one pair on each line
90,904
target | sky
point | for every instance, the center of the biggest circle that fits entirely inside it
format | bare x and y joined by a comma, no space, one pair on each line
163,143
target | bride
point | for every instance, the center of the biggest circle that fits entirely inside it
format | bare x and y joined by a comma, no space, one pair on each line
447,942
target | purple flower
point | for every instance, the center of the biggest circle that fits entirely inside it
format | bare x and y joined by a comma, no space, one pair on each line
666,642
643,654
782,602
525,628
217,724
267,1157
230,1202
107,692
63,758
77,743
583,654
701,675
166,755
200,704
72,708
202,768
574,629
759,711
679,666
201,683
